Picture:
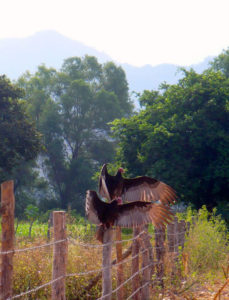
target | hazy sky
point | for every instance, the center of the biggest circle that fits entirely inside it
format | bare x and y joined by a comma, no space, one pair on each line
137,32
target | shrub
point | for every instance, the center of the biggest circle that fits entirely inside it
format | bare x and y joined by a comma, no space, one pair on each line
206,245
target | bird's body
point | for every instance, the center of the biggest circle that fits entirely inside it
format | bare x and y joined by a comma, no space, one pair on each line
132,214
142,188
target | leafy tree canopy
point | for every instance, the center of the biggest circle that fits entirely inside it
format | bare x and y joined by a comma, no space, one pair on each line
221,63
181,136
19,140
72,108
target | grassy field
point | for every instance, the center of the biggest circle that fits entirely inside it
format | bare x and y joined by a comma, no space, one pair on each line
203,262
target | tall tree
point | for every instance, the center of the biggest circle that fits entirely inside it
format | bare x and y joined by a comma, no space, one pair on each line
221,63
19,140
72,108
181,136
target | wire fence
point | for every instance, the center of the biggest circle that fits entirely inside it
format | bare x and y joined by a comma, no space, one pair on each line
143,248
98,270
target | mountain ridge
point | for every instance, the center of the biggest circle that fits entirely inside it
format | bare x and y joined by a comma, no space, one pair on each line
17,55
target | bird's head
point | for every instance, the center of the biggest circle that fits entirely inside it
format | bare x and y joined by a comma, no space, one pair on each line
119,200
121,170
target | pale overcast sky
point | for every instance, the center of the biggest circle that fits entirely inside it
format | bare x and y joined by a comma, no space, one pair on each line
136,32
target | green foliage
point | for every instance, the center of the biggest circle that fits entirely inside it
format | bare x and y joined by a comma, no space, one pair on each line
72,108
181,137
221,63
38,230
32,212
207,243
19,140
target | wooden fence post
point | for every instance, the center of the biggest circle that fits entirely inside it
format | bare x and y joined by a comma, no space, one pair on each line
171,237
120,291
160,253
106,273
146,262
181,230
135,265
172,243
59,255
7,209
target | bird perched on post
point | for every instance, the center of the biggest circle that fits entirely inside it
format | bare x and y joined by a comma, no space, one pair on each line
133,214
142,188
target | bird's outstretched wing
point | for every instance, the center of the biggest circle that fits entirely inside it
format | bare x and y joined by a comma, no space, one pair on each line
139,213
102,183
94,206
145,188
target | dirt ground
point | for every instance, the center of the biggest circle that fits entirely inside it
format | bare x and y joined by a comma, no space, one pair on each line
206,292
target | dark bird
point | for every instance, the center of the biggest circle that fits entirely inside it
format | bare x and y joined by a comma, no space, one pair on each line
131,214
142,188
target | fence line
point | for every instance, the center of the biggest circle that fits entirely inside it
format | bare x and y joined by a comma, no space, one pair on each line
67,275
35,289
135,292
175,233
75,242
106,244
101,269
91,271
131,277
33,248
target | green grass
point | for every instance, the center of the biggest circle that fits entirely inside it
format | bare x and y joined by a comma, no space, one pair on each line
38,229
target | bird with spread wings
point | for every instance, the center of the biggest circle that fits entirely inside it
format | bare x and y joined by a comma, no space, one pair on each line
133,214
141,188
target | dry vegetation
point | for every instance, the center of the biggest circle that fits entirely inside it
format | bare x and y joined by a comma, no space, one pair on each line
201,268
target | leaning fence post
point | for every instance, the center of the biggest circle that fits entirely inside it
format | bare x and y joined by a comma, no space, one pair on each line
106,273
135,264
59,255
7,209
120,295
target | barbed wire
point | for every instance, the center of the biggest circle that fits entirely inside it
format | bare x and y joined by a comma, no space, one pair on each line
73,241
74,274
176,233
135,292
175,248
86,244
78,243
93,271
106,244
35,289
34,247
107,267
121,285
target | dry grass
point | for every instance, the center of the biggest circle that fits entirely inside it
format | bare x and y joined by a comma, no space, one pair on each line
196,273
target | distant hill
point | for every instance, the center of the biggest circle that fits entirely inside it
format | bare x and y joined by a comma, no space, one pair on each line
150,77
51,48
